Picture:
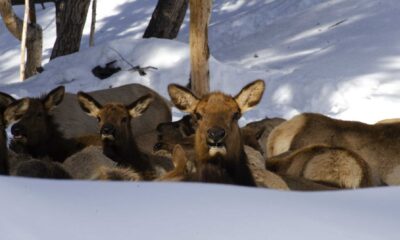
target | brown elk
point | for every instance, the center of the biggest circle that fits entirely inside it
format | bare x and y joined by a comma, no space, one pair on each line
36,133
334,166
377,144
74,123
118,141
220,155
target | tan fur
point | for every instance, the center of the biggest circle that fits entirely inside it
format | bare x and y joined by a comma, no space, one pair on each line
377,144
86,163
262,176
180,171
116,174
280,138
332,165
389,120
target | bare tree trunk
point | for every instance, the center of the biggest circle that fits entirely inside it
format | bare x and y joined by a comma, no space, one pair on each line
93,24
200,11
70,19
23,41
167,19
34,37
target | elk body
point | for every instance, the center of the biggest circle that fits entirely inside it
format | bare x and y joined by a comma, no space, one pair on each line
118,142
334,166
219,149
377,144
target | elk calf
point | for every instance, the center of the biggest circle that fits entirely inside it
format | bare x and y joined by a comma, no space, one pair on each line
219,149
115,129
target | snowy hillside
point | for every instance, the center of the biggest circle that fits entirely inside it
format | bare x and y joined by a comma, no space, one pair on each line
340,58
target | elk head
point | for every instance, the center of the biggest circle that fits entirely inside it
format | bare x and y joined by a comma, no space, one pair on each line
114,118
35,124
216,116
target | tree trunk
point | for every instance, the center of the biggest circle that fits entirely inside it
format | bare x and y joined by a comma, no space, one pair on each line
23,40
70,20
200,11
34,37
167,19
93,24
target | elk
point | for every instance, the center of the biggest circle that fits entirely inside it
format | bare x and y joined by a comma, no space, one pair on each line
36,133
378,145
118,142
333,166
219,148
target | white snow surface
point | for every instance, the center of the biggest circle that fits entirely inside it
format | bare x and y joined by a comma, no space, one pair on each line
78,210
338,57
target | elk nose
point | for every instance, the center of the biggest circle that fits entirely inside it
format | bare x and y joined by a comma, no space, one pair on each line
17,130
107,129
216,134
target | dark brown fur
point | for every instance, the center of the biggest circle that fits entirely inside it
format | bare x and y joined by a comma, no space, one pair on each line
5,100
36,133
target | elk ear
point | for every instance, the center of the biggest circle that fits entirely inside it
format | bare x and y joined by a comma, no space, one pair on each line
250,95
15,110
5,100
183,98
54,98
88,104
179,158
140,106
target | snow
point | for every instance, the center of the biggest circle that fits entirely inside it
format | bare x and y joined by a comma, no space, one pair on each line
108,210
340,58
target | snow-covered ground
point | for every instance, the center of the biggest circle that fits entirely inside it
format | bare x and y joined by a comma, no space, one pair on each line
337,57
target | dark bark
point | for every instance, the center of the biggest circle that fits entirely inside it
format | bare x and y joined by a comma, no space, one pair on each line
167,19
70,20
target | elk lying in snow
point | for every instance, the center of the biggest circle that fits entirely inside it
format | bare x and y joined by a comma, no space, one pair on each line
74,123
377,144
334,166
36,133
219,149
118,141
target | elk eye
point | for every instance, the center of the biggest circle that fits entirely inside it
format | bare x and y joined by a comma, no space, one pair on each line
198,116
236,116
98,119
124,120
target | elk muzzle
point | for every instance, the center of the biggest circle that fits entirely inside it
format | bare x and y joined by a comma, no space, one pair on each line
107,132
19,132
215,141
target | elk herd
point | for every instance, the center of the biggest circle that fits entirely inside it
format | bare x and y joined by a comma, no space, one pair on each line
127,134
